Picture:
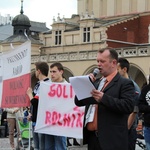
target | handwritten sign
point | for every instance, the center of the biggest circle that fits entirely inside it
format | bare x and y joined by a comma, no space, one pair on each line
16,76
57,113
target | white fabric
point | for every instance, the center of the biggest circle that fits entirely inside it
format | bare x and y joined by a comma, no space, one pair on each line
90,114
57,113
91,111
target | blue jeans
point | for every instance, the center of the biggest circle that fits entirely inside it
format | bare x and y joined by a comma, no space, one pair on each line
53,142
38,139
147,137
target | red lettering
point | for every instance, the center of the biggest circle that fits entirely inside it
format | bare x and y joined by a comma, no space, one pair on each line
59,123
69,120
76,108
71,91
59,90
52,91
79,122
73,119
66,120
64,92
54,118
47,118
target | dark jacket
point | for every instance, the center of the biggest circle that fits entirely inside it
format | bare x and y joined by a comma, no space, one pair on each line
144,104
113,111
35,100
3,117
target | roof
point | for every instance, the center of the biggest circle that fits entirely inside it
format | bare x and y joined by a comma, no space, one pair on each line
21,19
100,22
7,30
20,38
107,22
38,26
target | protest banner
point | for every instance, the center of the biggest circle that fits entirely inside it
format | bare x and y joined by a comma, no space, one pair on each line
57,113
15,74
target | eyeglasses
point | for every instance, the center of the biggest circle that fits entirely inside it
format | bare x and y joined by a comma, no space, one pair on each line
53,71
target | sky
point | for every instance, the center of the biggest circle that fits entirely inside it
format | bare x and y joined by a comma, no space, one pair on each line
39,10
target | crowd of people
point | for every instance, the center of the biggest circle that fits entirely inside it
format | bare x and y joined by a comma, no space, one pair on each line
111,113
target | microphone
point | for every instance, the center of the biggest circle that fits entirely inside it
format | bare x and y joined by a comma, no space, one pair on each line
96,72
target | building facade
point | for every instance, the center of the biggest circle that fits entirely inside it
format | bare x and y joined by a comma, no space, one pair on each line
75,41
105,8
123,25
4,20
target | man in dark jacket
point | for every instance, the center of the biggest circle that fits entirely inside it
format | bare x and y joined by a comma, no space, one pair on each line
111,106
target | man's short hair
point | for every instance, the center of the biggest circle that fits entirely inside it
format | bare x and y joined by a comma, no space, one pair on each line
124,63
113,53
43,67
58,65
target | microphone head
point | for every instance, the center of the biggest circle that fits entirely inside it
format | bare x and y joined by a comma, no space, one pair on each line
96,72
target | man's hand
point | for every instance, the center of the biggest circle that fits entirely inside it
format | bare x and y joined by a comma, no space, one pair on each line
29,117
29,93
131,119
97,95
91,75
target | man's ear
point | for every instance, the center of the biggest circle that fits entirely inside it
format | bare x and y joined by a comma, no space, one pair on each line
39,71
125,69
61,71
114,62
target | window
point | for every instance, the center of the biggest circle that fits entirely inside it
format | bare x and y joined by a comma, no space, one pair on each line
86,34
57,37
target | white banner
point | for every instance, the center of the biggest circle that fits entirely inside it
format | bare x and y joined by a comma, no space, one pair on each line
57,113
15,74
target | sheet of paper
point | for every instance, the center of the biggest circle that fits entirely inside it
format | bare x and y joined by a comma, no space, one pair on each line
82,86
90,114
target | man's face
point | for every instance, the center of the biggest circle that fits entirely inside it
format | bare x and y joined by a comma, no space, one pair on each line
37,72
56,75
106,65
120,70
